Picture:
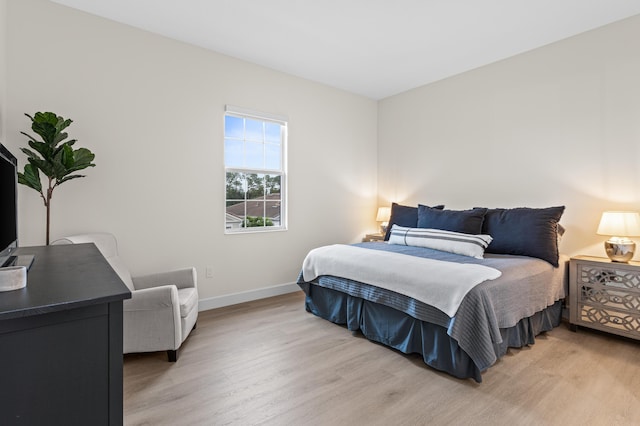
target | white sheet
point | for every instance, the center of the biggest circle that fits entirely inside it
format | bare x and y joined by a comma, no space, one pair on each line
434,282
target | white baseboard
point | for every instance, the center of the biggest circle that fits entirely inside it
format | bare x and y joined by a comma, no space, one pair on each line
246,296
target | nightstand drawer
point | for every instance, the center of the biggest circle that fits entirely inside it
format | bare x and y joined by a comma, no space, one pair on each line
608,319
621,276
607,296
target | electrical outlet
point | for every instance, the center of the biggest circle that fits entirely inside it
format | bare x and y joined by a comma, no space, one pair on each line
209,272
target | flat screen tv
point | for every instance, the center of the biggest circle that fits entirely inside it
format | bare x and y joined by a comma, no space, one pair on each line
8,206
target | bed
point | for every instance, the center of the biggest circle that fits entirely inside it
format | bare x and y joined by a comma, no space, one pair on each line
508,309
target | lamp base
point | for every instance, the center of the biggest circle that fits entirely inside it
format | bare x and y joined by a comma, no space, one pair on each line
620,250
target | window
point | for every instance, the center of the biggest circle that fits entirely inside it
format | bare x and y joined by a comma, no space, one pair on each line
255,168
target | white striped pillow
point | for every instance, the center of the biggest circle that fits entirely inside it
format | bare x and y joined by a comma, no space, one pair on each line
452,242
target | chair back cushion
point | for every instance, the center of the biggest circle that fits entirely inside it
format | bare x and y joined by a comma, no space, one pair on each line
108,246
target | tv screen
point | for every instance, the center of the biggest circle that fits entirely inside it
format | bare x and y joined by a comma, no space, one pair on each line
8,205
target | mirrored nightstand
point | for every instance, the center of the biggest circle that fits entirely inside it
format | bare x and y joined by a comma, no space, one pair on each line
605,295
373,237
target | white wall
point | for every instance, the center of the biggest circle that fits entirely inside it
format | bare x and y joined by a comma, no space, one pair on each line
151,109
559,125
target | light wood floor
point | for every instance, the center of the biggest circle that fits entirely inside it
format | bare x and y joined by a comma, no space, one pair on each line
271,363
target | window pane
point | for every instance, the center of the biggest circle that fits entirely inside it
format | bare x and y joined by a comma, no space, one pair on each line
233,153
233,127
273,185
254,155
235,200
255,186
255,214
272,157
254,130
272,133
273,212
236,186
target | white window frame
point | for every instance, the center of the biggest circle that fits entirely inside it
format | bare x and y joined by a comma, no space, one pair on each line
266,117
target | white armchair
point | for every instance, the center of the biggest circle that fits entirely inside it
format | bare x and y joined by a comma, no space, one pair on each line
163,308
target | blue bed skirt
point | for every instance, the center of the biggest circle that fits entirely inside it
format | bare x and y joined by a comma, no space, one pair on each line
401,331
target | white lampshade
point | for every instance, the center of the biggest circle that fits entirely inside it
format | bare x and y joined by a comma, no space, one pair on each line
384,214
619,224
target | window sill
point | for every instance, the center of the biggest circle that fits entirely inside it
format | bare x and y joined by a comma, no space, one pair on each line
255,231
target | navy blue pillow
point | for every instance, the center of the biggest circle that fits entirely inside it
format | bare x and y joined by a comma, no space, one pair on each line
404,216
524,231
465,221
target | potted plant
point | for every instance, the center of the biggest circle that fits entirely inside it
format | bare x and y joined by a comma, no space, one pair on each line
52,156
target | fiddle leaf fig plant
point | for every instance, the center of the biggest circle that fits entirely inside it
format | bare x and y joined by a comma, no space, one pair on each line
53,156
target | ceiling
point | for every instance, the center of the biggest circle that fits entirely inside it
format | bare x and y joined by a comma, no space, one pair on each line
375,48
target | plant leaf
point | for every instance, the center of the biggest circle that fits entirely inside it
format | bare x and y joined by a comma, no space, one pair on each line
30,177
66,178
42,148
29,136
83,158
45,166
66,156
29,153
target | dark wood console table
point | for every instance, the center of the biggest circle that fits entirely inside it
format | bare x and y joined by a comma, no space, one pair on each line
61,341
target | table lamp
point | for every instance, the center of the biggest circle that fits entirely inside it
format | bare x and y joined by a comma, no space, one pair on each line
384,214
619,226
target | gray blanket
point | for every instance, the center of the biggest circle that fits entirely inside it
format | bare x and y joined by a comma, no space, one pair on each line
527,286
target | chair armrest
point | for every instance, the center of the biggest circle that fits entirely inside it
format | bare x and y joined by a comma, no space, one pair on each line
150,299
181,278
151,320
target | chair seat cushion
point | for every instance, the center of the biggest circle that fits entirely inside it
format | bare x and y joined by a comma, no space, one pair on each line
188,298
